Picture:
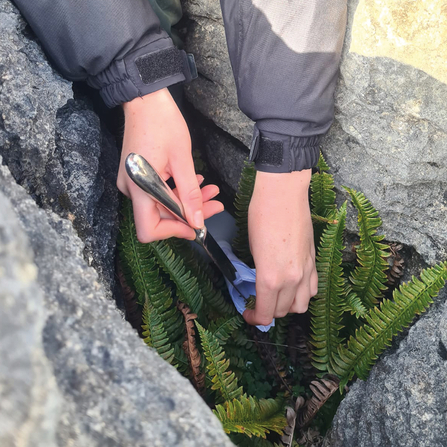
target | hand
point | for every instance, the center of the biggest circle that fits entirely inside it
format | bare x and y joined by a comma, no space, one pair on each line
281,241
155,128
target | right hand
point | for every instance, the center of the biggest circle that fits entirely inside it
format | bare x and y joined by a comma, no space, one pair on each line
155,128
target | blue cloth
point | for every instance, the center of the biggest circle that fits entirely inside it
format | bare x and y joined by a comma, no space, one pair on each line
245,282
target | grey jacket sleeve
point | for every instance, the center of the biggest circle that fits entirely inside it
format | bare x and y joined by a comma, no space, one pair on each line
285,57
117,46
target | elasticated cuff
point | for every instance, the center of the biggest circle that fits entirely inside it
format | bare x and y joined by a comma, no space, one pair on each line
273,152
143,71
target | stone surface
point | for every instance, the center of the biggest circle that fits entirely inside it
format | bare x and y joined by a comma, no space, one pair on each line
29,399
54,144
412,32
73,371
404,401
389,139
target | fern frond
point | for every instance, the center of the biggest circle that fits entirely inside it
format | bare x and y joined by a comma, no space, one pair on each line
155,334
352,303
385,322
186,284
368,280
141,270
326,306
322,191
322,390
280,332
252,416
212,297
241,245
190,348
224,381
223,328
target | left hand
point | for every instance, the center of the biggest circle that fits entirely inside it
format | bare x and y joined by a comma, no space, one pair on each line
281,241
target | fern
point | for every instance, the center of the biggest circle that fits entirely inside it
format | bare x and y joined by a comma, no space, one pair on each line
322,191
280,332
142,272
224,381
252,416
241,245
326,306
155,334
383,323
187,288
213,298
368,280
352,303
222,329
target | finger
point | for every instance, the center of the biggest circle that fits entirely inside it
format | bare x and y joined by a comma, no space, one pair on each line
209,192
188,189
211,208
149,225
263,312
200,178
286,298
314,283
301,301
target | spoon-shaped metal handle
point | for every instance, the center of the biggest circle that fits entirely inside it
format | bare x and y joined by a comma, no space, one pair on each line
148,179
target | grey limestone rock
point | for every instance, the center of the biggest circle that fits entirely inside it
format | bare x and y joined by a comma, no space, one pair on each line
54,144
73,371
404,401
389,141
29,399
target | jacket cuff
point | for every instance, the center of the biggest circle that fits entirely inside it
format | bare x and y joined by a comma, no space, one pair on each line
274,152
143,71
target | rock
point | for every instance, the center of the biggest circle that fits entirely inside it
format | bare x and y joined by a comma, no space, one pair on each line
29,399
390,136
404,401
54,144
389,139
73,371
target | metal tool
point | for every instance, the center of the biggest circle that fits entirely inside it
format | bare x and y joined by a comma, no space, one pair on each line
148,179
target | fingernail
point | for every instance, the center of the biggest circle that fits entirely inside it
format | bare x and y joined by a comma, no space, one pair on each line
198,219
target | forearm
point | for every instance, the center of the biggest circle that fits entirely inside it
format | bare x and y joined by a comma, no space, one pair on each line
117,46
285,58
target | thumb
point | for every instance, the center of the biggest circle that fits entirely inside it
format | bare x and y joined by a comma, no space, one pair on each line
188,190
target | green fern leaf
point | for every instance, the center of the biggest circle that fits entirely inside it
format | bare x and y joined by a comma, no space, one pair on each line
326,307
213,298
368,280
352,303
188,290
252,416
224,381
322,191
154,333
385,322
246,186
223,328
280,332
142,272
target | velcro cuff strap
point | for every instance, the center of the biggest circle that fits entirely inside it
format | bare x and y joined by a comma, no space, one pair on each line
159,65
281,153
270,152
